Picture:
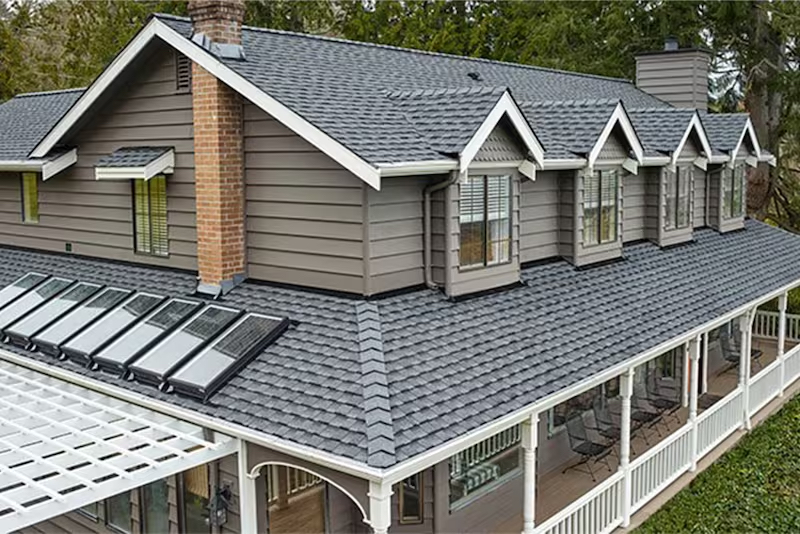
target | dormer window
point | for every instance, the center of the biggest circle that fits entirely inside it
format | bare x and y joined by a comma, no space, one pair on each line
485,221
733,192
600,204
678,198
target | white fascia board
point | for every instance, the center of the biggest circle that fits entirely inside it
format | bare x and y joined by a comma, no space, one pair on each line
339,463
164,164
769,159
414,465
655,161
719,158
564,164
21,165
417,167
619,116
281,113
505,106
54,166
748,130
697,126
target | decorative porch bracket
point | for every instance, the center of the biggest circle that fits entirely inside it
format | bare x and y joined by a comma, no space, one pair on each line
626,391
782,339
530,439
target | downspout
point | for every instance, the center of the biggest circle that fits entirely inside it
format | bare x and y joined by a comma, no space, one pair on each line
426,208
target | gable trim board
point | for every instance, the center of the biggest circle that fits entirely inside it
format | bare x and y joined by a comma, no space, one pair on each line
748,130
48,167
697,126
157,29
618,117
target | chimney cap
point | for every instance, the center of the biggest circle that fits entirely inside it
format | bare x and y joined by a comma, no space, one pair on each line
671,44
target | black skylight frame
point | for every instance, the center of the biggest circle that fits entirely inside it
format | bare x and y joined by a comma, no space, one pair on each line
120,367
21,332
44,341
19,287
72,349
142,374
204,392
17,309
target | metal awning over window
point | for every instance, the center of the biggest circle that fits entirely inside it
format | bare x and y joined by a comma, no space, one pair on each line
63,446
136,162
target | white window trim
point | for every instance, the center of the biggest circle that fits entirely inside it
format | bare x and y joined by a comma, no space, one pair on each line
618,117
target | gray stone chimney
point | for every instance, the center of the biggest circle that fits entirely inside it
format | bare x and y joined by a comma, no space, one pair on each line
676,75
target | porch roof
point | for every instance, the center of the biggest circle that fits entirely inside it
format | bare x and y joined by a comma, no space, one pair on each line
451,367
63,447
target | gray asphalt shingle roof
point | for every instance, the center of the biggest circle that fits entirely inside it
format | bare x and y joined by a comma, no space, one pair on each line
724,129
134,156
382,381
660,129
342,86
574,125
27,118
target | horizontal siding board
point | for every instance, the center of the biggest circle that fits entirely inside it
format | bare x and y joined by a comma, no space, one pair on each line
539,213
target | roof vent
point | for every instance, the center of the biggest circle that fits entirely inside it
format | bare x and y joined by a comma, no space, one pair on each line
671,45
475,76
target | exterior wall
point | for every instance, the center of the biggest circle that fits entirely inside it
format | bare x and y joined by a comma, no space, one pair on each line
538,229
305,212
439,241
679,77
567,214
585,254
502,144
96,217
616,147
633,206
652,178
700,197
427,525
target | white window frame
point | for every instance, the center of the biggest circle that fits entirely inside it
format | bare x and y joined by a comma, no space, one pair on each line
485,218
598,204
682,175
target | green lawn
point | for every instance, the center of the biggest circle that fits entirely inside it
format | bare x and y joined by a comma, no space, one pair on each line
753,488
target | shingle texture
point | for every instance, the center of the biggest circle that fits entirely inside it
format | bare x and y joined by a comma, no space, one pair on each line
660,129
443,368
724,129
26,119
571,124
342,86
134,156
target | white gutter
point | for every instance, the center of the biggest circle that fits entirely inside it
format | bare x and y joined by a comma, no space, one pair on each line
564,164
48,167
414,465
656,161
417,167
337,463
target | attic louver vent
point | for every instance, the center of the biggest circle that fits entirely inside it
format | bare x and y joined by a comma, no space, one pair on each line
183,72
178,345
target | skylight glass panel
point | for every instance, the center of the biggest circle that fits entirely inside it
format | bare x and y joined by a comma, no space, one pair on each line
68,326
210,369
31,300
106,329
155,366
23,330
9,293
116,356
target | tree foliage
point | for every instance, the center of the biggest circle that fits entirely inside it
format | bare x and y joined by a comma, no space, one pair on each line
50,44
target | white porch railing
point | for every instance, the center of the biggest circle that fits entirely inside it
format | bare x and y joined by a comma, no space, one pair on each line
766,325
719,422
660,466
792,363
600,511
764,387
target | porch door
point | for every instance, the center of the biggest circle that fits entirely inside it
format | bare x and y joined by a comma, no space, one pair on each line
295,502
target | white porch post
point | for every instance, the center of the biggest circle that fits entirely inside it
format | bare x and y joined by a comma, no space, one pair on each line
744,367
685,380
694,368
626,391
705,363
782,339
380,507
248,495
530,440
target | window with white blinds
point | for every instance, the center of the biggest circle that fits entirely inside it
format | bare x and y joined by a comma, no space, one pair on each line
150,216
678,198
485,221
600,205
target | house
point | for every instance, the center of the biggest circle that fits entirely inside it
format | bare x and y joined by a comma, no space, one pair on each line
261,281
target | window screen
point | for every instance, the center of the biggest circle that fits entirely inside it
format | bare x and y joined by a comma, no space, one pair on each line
30,197
733,183
485,220
600,204
150,216
678,198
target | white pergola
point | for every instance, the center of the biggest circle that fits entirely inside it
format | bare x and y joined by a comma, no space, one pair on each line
63,446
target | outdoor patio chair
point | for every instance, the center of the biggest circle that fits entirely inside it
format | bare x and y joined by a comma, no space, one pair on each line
607,427
663,398
590,452
731,350
644,413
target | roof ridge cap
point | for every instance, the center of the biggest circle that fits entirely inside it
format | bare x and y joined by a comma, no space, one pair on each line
571,102
444,91
377,408
412,50
53,92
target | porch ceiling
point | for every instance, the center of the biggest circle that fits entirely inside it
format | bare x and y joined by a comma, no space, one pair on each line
63,447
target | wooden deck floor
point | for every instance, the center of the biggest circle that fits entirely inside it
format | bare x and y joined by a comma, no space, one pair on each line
304,515
556,490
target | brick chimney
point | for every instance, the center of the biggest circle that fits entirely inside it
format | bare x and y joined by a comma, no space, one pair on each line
676,75
218,153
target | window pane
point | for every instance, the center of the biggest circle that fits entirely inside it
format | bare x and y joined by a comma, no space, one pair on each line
30,197
158,215
737,194
155,507
118,511
608,200
499,211
683,201
672,198
141,216
727,192
195,500
484,464
591,208
472,227
411,499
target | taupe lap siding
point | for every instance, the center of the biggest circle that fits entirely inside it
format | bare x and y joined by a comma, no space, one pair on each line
633,206
304,211
538,230
96,217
